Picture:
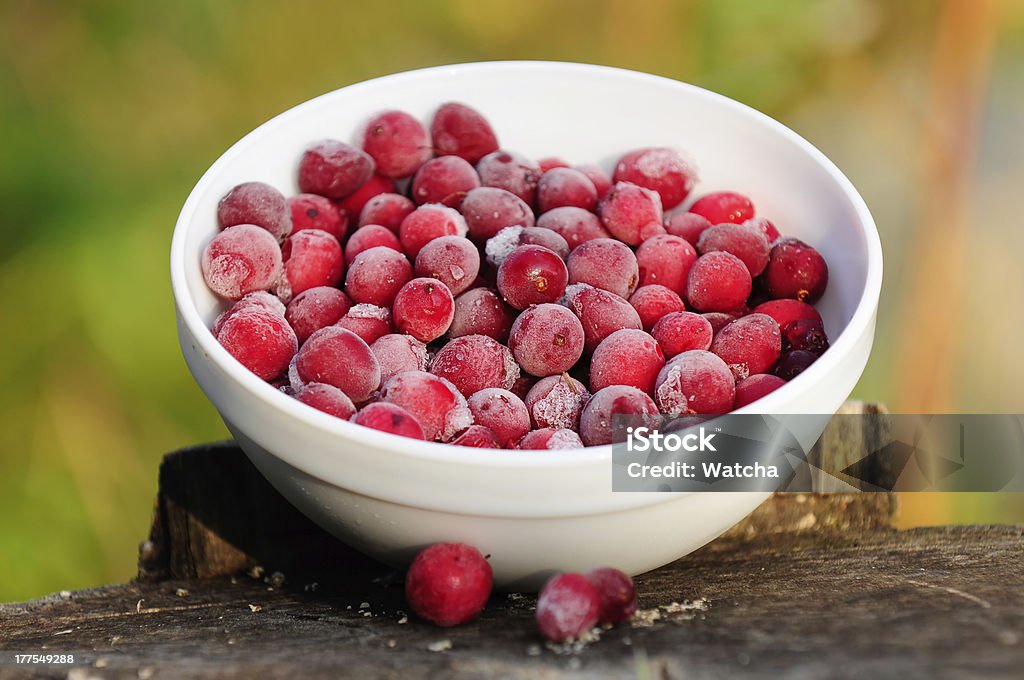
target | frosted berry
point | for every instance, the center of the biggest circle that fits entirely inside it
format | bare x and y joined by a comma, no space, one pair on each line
531,275
724,206
568,606
546,339
502,412
460,130
370,236
334,169
477,437
575,225
600,179
436,404
255,203
659,169
653,302
369,322
311,258
424,308
448,584
695,382
452,260
631,213
354,203
260,340
551,162
718,282
597,419
749,345
666,261
745,242
511,172
793,363
618,594
310,211
446,179
480,311
508,239
397,353
376,275
241,259
753,387
427,223
601,313
338,357
489,210
795,270
388,210
719,319
626,357
389,418
563,186
397,142
606,264
549,438
326,398
557,402
784,311
678,332
316,308
766,227
805,334
686,225
475,362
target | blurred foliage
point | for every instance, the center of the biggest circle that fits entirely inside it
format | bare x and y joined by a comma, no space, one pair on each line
109,112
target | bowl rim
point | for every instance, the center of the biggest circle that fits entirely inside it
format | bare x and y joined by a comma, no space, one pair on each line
188,313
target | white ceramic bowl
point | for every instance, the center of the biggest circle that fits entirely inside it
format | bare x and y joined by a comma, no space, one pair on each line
532,512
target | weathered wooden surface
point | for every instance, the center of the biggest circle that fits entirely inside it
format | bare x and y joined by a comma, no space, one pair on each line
945,602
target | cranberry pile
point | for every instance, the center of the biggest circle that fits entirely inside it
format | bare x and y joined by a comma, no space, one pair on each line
433,285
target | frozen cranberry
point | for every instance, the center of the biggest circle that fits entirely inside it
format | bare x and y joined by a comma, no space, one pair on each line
338,357
557,402
653,302
549,438
260,340
310,211
523,385
795,270
387,210
793,363
784,311
805,334
596,421
241,259
435,403
618,594
678,332
424,309
446,179
428,222
564,186
448,584
477,437
397,353
370,236
452,260
719,319
766,227
600,179
263,299
753,387
354,203
475,362
724,206
665,260
531,275
311,258
718,282
376,275
606,264
626,357
316,308
489,210
601,313
501,411
687,226
326,398
546,340
333,169
511,172
568,605
749,345
631,213
397,143
658,169
695,382
551,162
381,415
508,239
367,321
575,225
255,203
480,311
459,130
745,242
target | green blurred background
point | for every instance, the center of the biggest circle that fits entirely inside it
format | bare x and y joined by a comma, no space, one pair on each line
109,112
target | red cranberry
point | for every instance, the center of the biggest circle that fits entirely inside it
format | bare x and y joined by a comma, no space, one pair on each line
508,239
546,339
489,210
435,403
596,421
724,206
745,242
255,203
551,162
653,302
477,437
260,298
428,222
354,203
502,412
424,309
695,382
311,258
568,606
511,172
480,311
338,357
766,227
452,260
397,353
326,398
718,282
459,130
679,332
631,213
389,418
805,334
387,210
784,311
795,270
602,182
367,321
659,169
618,594
719,319
753,387
557,402
446,179
575,225
687,226
240,260
606,264
475,362
309,211
370,236
601,313
749,345
316,308
626,357
666,261
563,186
376,275
549,438
261,341
531,275
793,363
397,142
334,169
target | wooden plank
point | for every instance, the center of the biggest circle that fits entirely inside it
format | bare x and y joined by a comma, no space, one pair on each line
933,602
